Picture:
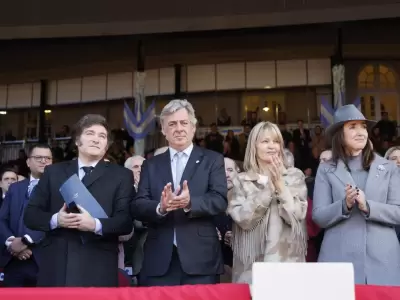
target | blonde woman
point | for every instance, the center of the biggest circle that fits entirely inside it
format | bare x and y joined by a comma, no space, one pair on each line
393,154
268,206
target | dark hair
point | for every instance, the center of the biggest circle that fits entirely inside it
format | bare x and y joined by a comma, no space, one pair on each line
88,121
34,146
339,151
7,169
227,137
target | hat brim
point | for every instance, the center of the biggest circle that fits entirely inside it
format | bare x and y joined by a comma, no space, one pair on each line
330,130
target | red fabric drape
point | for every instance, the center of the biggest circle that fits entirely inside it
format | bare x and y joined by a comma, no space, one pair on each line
199,292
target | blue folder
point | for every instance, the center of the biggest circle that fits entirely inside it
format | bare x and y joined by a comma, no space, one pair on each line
73,190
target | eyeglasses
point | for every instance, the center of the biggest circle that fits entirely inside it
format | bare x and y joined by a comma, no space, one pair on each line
42,158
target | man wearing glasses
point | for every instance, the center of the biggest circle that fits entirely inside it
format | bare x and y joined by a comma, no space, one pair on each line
16,240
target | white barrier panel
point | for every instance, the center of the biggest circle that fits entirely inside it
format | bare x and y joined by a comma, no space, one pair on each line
303,281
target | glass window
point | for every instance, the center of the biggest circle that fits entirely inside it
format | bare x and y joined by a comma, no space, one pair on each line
387,79
385,76
366,78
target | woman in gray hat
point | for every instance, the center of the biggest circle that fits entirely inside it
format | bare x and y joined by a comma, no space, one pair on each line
357,202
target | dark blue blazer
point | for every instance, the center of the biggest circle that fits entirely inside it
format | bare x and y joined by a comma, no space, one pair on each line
198,245
11,216
224,224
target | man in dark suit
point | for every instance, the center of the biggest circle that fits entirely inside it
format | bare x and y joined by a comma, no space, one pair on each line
8,176
302,140
180,192
18,242
81,250
224,221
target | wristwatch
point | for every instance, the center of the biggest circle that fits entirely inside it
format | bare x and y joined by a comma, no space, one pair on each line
26,242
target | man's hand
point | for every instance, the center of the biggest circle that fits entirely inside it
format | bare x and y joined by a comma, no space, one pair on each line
166,196
67,220
24,255
228,238
181,201
16,246
86,221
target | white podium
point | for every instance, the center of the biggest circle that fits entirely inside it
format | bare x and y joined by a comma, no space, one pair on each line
303,281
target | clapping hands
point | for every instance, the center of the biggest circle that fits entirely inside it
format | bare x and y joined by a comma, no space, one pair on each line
178,199
355,195
275,169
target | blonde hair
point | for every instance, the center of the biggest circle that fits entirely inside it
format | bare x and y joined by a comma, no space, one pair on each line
390,151
250,158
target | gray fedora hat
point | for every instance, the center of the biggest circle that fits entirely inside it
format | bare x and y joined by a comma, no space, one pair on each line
344,114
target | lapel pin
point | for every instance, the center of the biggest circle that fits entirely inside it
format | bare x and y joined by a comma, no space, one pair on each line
380,170
197,161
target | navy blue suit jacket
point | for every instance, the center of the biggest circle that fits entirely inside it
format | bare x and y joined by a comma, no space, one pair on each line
224,224
196,235
12,213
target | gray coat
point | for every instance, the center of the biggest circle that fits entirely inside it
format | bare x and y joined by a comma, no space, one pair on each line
369,242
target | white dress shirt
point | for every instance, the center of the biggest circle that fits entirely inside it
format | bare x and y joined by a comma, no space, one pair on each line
184,160
98,228
9,240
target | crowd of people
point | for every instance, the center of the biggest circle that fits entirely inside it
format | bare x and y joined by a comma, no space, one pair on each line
203,211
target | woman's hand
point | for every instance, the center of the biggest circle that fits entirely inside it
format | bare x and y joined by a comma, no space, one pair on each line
362,203
351,194
275,168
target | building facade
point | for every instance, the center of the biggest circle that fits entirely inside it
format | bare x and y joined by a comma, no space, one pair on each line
287,69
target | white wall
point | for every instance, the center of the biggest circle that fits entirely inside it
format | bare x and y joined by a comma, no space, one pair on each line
158,82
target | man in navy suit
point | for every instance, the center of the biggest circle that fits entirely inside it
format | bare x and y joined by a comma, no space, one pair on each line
180,192
224,221
7,176
16,241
